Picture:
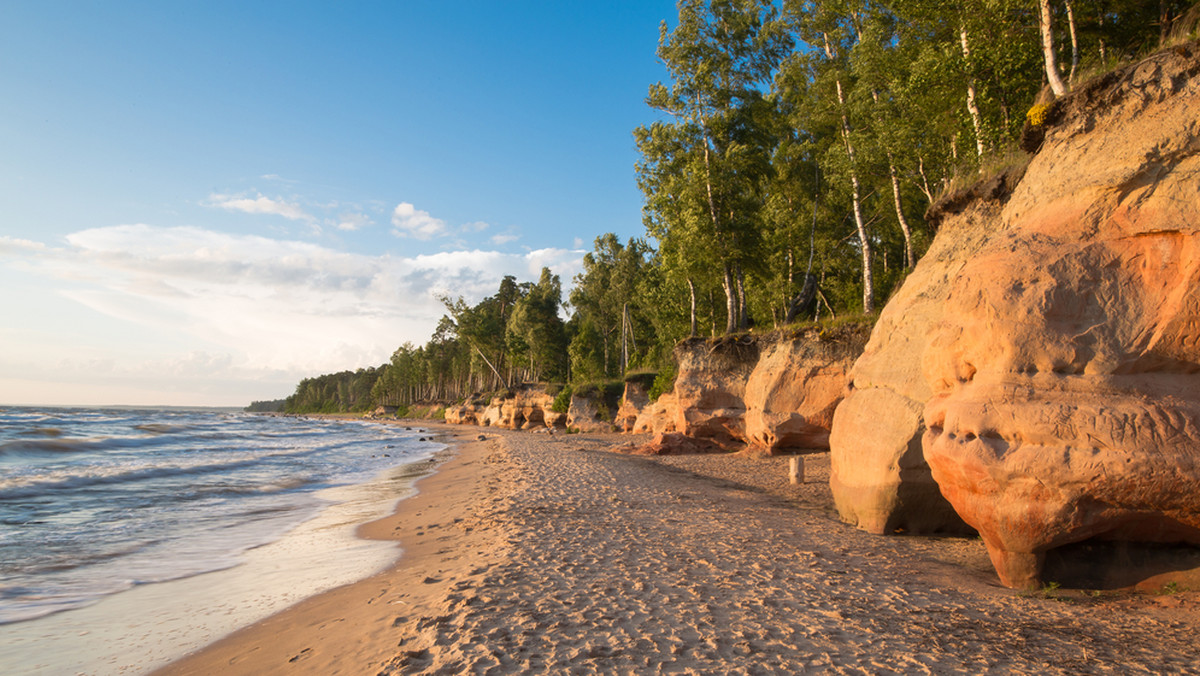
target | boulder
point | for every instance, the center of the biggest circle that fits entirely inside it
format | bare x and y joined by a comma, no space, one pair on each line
673,443
1065,370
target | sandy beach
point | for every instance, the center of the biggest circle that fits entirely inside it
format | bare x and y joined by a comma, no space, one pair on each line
532,553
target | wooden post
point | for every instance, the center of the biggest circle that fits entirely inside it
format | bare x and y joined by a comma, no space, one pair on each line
796,469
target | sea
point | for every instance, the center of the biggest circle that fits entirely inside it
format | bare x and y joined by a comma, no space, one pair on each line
97,503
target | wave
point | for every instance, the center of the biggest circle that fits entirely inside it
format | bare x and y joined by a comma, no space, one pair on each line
47,446
42,432
162,428
39,487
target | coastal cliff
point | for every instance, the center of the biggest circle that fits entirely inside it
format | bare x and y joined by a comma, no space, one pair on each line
773,393
1038,374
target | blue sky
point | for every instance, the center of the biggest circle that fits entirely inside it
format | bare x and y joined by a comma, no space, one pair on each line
203,202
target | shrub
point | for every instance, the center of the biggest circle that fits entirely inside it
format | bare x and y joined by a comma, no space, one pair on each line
1037,114
664,382
562,401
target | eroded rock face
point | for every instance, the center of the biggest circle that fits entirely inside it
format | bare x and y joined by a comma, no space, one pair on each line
592,411
463,414
1044,357
774,393
794,389
658,416
878,474
1066,369
527,407
710,388
633,401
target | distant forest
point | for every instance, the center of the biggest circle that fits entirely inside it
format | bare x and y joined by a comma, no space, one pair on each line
798,148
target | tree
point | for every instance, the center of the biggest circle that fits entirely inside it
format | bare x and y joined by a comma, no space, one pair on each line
720,57
1051,61
536,330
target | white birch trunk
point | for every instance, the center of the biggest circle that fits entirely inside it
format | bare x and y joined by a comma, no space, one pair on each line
856,196
1048,57
972,107
908,248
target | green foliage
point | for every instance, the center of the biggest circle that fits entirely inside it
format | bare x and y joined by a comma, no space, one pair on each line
269,406
664,381
606,389
562,402
611,329
344,392
1171,587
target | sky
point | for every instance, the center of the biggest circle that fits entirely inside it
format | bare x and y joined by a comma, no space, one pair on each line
202,202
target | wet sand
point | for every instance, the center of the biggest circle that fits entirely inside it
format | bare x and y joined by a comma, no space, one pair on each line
532,553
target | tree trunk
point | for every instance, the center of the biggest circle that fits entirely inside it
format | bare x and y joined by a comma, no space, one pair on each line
731,306
864,242
924,180
803,302
624,342
972,107
908,248
1048,56
692,294
731,309
743,307
856,204
1074,43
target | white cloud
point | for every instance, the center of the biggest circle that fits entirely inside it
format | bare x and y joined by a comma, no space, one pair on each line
502,238
352,221
412,222
260,205
14,245
186,309
477,226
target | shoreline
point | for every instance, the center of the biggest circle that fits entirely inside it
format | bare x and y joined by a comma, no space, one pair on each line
345,629
150,625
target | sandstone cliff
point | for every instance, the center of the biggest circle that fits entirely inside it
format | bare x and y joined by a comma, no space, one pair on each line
1042,362
774,393
525,407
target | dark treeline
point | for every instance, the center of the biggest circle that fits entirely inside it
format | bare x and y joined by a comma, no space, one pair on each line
798,146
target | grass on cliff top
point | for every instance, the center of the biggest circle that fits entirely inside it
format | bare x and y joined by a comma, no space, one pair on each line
1010,157
831,328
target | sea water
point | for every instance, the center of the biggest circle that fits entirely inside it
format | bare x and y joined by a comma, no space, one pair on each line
96,504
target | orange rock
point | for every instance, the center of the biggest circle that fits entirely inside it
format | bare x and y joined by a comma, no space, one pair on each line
793,390
775,392
633,401
1045,355
657,416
